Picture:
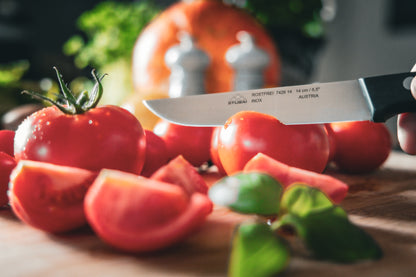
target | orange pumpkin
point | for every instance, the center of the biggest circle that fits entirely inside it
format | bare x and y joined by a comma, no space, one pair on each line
214,26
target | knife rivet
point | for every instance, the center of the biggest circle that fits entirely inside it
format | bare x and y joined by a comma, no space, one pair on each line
407,81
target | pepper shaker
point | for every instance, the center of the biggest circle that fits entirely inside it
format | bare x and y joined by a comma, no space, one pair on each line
188,65
248,62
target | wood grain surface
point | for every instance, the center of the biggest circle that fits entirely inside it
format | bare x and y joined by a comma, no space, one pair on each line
383,203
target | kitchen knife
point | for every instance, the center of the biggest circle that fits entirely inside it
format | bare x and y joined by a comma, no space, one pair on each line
371,98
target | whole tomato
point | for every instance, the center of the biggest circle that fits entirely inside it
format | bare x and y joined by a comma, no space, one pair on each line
215,159
7,163
247,133
332,142
361,146
193,143
79,134
6,141
156,154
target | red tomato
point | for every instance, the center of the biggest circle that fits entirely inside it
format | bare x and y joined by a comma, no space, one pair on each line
138,214
361,146
180,172
6,142
103,137
49,197
156,153
7,163
332,142
215,159
247,133
193,143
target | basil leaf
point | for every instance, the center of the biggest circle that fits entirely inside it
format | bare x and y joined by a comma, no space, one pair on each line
249,193
331,236
301,199
257,251
325,228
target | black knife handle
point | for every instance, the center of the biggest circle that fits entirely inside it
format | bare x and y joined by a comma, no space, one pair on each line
390,95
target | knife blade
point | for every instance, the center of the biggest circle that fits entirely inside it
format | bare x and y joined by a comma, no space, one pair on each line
375,98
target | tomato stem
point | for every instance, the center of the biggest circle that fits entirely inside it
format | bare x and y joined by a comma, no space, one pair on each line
68,96
72,105
96,94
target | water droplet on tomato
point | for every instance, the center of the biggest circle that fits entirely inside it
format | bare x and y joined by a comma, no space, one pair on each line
43,151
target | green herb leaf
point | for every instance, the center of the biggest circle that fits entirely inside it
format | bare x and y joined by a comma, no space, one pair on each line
110,30
12,72
325,228
301,199
293,15
257,251
249,193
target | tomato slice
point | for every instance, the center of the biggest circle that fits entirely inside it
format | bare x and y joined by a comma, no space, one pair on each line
335,189
137,214
49,197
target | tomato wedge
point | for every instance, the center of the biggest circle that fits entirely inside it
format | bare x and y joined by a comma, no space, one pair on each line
137,214
49,197
180,172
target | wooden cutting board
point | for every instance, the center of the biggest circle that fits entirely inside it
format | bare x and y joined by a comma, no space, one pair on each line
383,203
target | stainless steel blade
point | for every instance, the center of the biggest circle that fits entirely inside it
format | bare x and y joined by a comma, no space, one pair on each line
303,104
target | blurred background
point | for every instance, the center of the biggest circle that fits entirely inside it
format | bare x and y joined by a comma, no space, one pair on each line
316,40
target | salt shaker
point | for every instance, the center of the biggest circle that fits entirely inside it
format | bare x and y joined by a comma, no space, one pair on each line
248,62
188,65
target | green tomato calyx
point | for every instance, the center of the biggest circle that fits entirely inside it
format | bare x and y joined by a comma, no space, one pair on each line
67,102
